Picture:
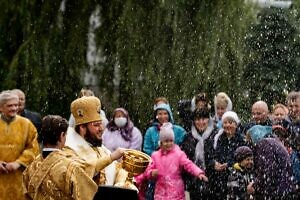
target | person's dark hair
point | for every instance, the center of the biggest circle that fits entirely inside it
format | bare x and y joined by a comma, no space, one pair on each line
52,127
200,113
280,131
201,97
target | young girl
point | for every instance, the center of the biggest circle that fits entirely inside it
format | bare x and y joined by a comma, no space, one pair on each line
166,167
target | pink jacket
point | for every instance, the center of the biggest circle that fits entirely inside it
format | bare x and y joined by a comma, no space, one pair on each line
169,184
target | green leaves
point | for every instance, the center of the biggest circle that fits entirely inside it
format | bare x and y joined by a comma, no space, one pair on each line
148,49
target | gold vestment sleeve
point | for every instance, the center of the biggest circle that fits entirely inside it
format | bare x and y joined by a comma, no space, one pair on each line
103,162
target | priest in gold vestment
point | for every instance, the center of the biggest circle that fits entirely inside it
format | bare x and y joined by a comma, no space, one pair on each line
18,147
86,140
57,173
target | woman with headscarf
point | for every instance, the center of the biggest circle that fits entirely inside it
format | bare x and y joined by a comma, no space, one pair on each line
121,132
162,114
272,166
221,150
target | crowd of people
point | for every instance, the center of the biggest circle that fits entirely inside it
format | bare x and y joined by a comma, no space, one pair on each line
209,154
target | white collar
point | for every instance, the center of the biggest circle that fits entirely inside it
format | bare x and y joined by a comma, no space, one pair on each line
51,149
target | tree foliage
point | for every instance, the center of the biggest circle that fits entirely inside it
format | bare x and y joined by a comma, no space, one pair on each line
170,48
272,67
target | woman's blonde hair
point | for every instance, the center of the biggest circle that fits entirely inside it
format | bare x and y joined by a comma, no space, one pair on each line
222,99
279,105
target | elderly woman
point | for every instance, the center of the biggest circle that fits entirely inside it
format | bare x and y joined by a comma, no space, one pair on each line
121,132
194,145
221,153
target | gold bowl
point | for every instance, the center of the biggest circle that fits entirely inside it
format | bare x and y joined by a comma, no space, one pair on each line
135,162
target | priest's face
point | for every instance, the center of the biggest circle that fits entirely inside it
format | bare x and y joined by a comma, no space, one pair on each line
10,108
94,132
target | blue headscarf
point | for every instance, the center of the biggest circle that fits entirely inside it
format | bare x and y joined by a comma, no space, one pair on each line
166,107
258,132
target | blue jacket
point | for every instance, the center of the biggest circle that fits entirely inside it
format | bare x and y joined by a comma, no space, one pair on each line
151,138
295,157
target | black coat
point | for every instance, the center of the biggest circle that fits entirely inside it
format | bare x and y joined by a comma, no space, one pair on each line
34,117
223,153
238,181
198,189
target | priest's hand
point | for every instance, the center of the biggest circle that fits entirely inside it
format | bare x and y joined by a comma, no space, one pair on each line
117,154
12,166
3,167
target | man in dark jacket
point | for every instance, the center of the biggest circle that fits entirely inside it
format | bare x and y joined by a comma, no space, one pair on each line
293,102
260,116
273,172
34,117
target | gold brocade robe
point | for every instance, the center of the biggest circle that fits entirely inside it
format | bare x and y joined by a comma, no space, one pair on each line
18,142
60,176
111,175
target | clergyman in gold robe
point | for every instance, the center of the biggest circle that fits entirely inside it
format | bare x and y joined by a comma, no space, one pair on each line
18,147
57,173
86,140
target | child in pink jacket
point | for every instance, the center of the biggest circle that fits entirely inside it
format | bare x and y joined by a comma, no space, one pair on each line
166,168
